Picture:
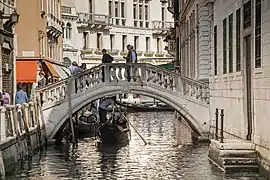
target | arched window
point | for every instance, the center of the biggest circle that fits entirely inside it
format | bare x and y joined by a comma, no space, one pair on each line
68,31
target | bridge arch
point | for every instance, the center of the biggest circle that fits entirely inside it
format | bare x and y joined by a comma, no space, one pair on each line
195,112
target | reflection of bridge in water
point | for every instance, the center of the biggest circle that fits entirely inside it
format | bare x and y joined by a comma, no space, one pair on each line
189,97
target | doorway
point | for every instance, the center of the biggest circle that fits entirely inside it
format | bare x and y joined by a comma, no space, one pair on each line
248,86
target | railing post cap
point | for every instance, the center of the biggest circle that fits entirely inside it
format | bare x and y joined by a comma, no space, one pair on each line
2,109
25,105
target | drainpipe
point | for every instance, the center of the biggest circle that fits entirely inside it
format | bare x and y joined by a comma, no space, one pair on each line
176,21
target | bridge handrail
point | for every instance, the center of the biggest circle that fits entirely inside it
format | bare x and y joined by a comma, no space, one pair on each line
119,65
124,74
68,78
16,120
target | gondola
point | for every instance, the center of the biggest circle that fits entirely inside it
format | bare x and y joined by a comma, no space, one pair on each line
115,131
87,126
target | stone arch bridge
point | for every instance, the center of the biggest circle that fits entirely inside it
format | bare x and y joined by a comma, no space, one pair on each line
189,97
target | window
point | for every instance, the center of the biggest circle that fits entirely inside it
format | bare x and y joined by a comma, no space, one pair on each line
146,12
158,44
99,41
68,31
225,46
110,8
147,45
140,12
215,50
136,42
90,6
42,46
135,11
258,18
162,14
230,43
122,9
85,40
247,14
63,32
112,39
116,9
238,39
124,42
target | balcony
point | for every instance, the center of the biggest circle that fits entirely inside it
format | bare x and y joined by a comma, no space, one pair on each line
54,25
161,27
94,21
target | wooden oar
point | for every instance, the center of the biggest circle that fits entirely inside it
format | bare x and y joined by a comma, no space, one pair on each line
131,125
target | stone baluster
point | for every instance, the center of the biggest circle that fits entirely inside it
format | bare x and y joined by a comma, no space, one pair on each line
9,113
31,111
113,75
99,76
20,126
107,73
161,77
120,76
26,113
3,120
143,72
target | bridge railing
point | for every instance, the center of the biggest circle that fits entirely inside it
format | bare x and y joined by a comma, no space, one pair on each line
16,120
140,74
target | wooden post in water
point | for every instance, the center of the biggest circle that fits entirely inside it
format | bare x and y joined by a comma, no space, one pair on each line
70,112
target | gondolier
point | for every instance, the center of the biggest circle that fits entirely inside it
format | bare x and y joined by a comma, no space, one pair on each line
104,104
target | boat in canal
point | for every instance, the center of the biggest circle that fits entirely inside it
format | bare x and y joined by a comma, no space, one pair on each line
115,131
87,126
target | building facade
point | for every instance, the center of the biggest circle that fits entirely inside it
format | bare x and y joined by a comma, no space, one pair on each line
239,80
192,37
8,18
39,42
91,25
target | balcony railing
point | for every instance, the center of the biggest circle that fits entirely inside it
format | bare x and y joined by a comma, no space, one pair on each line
54,23
99,19
162,25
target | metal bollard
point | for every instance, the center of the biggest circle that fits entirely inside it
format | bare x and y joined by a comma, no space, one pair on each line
221,125
216,133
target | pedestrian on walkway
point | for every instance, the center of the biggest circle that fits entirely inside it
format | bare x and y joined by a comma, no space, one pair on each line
106,58
21,96
130,58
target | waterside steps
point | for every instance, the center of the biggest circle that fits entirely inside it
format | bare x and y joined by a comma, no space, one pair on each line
234,155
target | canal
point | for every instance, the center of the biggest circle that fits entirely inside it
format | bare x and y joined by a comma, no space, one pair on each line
169,155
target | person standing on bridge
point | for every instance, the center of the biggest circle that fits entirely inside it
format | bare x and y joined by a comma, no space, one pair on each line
131,58
106,58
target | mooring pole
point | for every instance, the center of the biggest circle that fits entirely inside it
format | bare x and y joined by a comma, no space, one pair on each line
70,112
216,133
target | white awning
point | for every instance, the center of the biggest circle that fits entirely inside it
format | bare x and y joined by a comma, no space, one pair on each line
60,70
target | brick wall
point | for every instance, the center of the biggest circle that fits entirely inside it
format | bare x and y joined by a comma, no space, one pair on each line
7,76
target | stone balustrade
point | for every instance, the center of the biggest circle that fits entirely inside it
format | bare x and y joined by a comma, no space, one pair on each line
116,73
92,18
117,53
16,120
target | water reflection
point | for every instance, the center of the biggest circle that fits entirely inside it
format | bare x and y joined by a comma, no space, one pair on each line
169,155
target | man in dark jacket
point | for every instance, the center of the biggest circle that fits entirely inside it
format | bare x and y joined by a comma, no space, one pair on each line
106,58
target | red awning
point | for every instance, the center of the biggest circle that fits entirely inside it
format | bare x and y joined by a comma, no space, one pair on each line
26,71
